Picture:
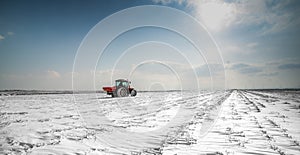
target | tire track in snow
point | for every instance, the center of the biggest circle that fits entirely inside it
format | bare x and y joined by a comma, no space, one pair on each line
278,136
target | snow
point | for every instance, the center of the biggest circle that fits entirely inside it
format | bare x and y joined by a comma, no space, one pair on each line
168,123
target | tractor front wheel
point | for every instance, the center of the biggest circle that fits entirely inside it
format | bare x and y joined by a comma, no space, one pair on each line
133,93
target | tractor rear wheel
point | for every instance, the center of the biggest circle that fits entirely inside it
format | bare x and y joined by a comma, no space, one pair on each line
122,92
133,93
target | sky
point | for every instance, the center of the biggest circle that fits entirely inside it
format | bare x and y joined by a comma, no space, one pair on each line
258,41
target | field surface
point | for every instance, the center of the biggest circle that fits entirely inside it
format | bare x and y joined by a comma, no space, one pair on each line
152,123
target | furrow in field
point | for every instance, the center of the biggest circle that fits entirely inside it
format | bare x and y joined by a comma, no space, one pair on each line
279,121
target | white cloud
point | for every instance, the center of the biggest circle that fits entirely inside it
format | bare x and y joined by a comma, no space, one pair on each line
53,74
45,80
252,45
248,69
10,33
165,2
234,50
216,14
2,37
271,15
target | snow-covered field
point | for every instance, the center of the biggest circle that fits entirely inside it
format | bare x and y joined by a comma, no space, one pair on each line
168,123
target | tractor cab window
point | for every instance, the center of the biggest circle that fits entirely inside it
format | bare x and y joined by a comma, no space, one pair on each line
125,84
118,83
121,84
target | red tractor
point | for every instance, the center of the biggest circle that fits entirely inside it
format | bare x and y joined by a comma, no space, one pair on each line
121,89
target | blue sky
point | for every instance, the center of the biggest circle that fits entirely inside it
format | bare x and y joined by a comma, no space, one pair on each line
259,41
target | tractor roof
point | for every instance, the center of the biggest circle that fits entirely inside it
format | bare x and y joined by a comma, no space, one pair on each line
122,80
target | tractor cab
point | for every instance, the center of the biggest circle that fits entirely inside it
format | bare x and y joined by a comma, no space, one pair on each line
122,83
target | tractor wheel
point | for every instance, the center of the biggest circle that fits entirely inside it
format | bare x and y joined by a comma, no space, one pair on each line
122,92
133,93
